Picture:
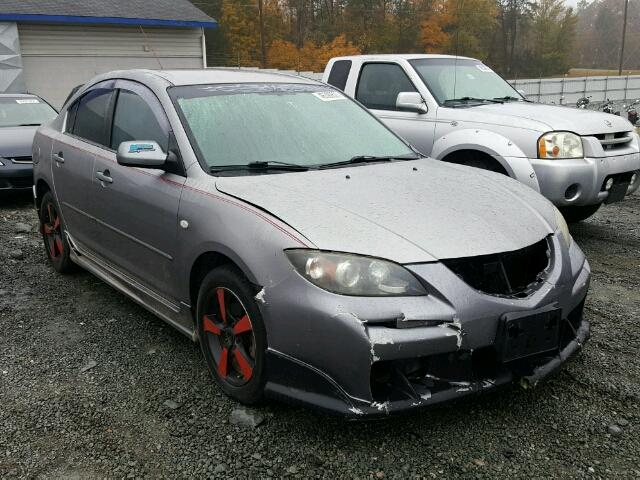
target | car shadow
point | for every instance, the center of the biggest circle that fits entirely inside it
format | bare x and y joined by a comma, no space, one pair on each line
10,199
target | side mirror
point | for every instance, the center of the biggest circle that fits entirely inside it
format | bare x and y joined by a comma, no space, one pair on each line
143,154
412,102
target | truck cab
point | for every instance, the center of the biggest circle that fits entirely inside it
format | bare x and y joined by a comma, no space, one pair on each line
457,109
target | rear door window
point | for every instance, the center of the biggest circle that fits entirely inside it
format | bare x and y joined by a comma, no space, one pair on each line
134,120
379,85
91,116
339,74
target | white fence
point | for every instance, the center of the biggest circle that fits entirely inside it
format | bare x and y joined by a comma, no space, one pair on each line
561,91
568,90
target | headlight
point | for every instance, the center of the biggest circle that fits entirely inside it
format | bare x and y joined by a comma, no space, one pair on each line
557,145
348,274
564,228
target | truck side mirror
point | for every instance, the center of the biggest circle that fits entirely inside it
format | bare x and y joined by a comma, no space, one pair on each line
412,102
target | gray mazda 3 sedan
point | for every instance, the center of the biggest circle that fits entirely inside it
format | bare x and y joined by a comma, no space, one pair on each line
312,253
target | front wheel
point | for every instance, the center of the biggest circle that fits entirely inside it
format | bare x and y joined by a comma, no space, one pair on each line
574,214
232,334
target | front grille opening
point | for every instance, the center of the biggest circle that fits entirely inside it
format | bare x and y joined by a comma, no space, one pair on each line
516,274
422,377
613,141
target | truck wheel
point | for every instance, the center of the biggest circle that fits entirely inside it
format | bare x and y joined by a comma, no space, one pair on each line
576,214
232,334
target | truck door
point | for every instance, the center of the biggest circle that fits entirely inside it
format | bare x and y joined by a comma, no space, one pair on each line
378,86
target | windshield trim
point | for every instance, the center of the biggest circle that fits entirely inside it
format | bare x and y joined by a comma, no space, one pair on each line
172,92
466,60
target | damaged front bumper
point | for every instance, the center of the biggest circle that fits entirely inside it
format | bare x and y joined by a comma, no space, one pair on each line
375,356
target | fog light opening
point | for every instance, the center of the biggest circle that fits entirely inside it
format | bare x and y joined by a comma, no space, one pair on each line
572,192
609,184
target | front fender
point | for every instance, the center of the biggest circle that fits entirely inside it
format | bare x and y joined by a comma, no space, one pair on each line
503,150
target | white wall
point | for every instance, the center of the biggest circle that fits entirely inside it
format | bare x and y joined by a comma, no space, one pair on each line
56,58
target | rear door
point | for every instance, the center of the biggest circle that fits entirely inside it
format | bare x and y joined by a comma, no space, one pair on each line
137,209
73,157
377,89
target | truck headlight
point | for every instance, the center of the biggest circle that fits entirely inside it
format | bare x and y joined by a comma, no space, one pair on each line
558,145
349,274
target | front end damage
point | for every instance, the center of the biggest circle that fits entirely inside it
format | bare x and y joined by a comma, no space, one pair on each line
485,323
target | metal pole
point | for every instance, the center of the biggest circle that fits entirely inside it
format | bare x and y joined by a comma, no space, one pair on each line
624,32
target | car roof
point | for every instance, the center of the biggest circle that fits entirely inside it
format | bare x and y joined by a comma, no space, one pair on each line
403,56
210,76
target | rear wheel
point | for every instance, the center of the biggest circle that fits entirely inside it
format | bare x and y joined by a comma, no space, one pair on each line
53,235
232,334
574,214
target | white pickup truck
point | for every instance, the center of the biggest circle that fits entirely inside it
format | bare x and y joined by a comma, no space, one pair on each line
458,110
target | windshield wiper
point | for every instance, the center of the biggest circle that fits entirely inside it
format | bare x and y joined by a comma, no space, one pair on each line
29,125
474,99
368,159
508,98
263,165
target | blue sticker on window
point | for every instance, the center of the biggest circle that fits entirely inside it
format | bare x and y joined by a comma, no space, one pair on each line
141,147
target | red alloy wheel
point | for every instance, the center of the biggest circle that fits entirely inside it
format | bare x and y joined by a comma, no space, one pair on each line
52,231
230,337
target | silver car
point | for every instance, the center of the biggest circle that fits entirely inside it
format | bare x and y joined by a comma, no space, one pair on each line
314,255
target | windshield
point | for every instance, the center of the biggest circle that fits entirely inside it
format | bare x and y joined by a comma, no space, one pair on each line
464,80
308,125
17,111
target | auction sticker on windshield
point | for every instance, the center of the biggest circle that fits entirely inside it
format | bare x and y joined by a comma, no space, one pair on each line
27,100
329,96
483,68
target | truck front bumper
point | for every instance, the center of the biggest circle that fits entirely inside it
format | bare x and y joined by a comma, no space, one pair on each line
583,181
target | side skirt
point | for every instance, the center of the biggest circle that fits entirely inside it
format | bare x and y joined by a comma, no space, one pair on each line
178,316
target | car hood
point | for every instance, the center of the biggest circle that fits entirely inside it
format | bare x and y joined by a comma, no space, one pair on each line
410,211
539,117
16,141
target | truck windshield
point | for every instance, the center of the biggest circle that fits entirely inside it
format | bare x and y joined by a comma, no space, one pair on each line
24,111
463,81
282,126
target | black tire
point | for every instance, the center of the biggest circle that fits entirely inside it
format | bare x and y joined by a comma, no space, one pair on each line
53,230
478,161
245,349
576,214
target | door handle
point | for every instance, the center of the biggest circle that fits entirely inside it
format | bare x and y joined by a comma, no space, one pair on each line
58,157
104,177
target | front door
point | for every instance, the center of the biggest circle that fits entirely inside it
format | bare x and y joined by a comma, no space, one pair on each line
136,209
378,88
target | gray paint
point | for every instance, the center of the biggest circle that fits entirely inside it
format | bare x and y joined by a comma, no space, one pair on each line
128,234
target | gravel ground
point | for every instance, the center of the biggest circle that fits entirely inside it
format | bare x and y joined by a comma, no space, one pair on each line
93,386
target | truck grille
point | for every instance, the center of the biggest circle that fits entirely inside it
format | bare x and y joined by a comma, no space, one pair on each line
614,141
513,274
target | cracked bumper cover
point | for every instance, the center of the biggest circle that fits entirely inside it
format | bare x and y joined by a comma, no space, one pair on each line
323,347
